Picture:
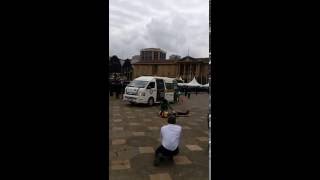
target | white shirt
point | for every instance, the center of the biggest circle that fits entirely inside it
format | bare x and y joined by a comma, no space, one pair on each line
170,136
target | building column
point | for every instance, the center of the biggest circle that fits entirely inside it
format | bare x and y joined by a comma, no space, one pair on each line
199,72
177,70
190,71
184,72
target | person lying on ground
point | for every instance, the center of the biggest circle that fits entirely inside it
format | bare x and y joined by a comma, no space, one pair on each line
179,113
165,114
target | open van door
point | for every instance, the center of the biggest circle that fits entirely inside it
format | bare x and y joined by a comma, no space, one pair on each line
170,84
160,89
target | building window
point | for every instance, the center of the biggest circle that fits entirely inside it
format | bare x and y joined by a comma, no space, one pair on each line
156,55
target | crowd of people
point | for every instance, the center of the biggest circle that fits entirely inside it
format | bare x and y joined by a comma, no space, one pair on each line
117,87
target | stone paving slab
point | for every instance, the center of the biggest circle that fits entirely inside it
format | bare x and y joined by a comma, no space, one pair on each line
160,176
205,139
194,147
181,160
144,150
117,120
153,128
118,141
186,128
117,129
120,164
138,133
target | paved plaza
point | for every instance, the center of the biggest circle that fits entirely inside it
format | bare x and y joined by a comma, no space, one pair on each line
134,132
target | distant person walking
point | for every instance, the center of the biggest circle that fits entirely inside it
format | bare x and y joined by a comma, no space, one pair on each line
182,99
178,96
175,96
185,91
118,89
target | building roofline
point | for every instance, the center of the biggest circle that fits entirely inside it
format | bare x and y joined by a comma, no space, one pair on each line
153,49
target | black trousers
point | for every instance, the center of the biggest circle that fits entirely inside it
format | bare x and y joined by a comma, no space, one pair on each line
166,152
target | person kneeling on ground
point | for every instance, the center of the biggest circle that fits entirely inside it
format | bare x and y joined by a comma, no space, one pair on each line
170,139
164,107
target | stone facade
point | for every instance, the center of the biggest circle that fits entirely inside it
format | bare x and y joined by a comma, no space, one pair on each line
187,67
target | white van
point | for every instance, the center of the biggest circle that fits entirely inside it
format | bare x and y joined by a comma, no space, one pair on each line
150,90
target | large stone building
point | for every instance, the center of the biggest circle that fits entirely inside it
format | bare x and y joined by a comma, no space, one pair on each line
174,57
187,67
135,58
152,54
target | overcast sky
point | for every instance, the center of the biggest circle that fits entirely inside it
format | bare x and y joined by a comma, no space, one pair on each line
173,25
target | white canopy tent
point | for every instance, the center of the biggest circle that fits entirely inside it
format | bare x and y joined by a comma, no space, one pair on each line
194,83
182,84
206,85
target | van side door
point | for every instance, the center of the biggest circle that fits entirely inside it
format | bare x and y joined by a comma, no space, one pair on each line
169,92
160,89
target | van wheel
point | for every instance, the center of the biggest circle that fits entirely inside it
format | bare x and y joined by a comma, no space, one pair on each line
151,101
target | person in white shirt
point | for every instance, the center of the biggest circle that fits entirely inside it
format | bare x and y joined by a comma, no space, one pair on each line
170,138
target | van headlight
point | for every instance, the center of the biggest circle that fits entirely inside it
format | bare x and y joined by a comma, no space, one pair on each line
142,93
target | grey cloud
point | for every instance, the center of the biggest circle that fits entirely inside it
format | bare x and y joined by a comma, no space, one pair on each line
125,14
173,26
173,32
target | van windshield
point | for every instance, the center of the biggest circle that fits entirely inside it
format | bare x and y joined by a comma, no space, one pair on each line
138,84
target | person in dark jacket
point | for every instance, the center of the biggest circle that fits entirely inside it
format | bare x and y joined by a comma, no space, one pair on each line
117,86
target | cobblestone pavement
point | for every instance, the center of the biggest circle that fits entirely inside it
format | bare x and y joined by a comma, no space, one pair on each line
134,135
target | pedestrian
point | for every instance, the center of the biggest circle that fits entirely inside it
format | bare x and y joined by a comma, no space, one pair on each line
178,97
175,95
111,88
170,135
189,93
117,90
181,99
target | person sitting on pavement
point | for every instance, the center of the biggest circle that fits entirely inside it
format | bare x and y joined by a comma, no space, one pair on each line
170,135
